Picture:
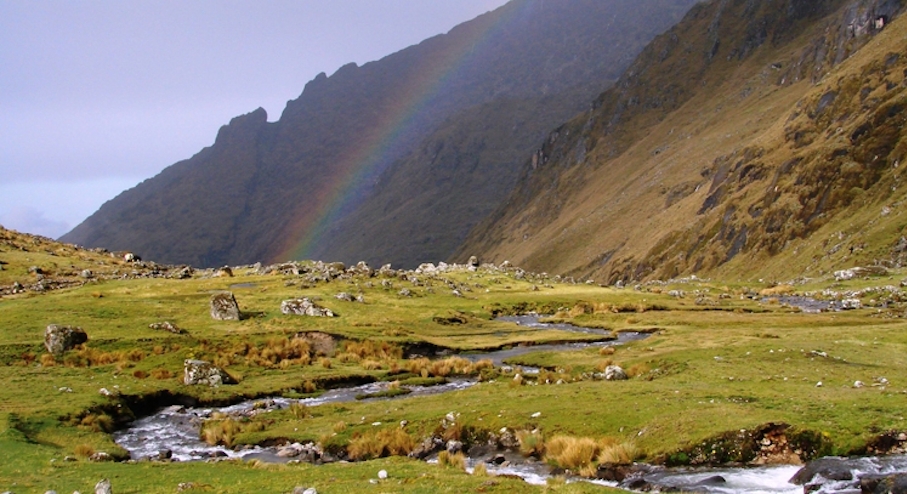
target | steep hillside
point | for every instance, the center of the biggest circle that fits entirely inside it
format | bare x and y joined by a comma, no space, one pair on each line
267,191
752,139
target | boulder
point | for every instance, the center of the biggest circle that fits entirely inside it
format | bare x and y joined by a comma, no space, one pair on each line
304,307
201,372
615,373
103,487
895,483
59,339
224,307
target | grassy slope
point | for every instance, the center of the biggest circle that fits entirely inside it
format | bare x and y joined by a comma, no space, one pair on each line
705,372
633,206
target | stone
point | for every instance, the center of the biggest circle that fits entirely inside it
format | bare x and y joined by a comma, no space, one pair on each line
166,326
382,474
851,304
346,297
615,373
100,456
59,339
224,307
304,307
224,272
405,292
200,372
304,490
103,487
86,273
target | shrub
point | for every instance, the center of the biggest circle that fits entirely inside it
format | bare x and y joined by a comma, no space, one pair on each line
140,374
299,410
480,470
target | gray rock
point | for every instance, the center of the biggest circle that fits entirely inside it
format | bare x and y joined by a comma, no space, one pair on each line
100,456
86,273
201,372
304,307
346,297
615,373
224,307
405,293
103,487
166,326
59,339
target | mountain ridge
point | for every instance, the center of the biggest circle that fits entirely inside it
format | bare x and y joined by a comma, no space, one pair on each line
683,176
267,191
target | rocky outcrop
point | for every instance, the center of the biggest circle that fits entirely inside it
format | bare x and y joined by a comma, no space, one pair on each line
199,372
224,307
304,307
59,339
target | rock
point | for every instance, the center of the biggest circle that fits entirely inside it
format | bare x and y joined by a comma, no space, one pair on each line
59,339
405,292
884,484
382,474
103,487
473,262
453,446
86,273
346,297
201,372
184,273
829,468
615,373
851,304
860,272
100,456
321,344
224,272
224,307
858,384
304,307
166,326
304,490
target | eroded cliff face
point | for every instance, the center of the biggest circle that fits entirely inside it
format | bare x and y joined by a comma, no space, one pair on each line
752,138
264,188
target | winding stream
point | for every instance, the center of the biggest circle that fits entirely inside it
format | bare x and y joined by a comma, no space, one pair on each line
174,432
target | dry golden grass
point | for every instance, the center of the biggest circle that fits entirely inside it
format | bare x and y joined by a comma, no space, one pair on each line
455,460
532,443
571,453
385,442
161,374
618,453
84,450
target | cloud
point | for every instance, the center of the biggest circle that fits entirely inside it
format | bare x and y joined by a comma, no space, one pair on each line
27,219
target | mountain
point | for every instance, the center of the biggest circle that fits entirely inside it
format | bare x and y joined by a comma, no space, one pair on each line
752,139
394,160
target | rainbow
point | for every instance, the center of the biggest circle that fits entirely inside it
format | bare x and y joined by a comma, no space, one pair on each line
362,162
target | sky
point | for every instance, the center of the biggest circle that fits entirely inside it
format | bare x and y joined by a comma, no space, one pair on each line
98,95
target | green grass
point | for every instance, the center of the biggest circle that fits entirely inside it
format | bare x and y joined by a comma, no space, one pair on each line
725,364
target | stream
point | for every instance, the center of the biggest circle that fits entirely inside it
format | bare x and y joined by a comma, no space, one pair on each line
174,433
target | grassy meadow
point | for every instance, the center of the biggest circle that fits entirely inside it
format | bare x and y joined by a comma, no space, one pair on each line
721,357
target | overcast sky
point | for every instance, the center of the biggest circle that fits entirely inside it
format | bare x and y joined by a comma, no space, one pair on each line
96,96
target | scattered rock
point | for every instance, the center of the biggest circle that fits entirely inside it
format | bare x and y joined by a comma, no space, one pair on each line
224,272
405,293
59,339
615,373
304,490
346,297
166,326
851,304
224,307
201,372
382,474
86,273
100,456
304,307
103,487
860,272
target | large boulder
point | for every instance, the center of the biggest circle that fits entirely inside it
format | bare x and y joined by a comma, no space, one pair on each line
224,307
304,307
615,373
202,372
59,339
